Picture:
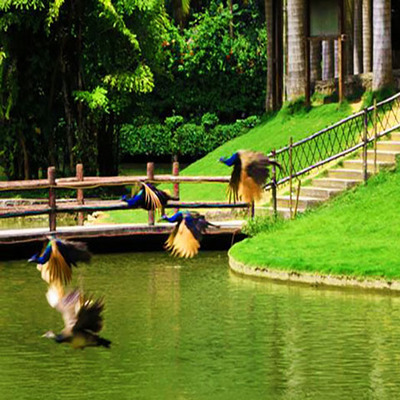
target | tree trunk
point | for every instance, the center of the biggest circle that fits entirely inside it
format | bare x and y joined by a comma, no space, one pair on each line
367,35
269,98
315,60
348,27
296,73
336,58
327,60
357,37
382,50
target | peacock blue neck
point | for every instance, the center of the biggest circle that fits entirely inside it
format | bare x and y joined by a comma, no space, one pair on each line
175,218
231,160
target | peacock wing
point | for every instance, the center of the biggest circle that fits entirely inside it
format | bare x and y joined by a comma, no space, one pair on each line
59,270
184,243
89,317
74,252
197,224
234,182
170,241
255,165
151,199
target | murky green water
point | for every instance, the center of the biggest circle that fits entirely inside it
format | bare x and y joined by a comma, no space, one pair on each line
193,330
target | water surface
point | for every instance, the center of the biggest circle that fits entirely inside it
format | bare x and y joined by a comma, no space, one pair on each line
193,330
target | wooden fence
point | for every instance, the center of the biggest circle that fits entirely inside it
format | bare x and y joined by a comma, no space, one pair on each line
81,183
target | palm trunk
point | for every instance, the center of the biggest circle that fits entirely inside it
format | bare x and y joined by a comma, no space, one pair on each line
269,98
367,35
327,60
315,60
348,26
296,73
382,51
336,58
357,35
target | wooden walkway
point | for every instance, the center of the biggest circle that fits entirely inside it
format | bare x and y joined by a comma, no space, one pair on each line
8,236
22,243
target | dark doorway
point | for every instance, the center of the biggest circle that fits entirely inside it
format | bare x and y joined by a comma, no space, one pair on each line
396,34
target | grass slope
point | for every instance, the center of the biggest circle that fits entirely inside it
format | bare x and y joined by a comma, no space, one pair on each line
356,234
272,133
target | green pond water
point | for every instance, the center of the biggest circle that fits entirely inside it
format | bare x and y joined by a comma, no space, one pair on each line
193,330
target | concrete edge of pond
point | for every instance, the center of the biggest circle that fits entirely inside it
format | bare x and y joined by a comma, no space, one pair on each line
312,279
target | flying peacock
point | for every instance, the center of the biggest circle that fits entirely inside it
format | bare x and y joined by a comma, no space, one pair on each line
148,198
82,318
184,241
56,261
250,172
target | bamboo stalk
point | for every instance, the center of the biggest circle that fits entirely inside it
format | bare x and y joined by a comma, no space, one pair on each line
51,175
79,193
150,176
375,138
365,143
290,173
274,199
297,198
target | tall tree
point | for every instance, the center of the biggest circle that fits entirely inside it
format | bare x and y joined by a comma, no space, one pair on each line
269,20
296,73
367,35
78,66
327,60
316,58
382,49
357,36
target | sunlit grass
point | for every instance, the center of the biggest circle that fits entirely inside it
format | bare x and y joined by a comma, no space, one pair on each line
355,234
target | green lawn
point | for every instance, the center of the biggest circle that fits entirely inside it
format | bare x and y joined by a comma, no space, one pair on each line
356,234
273,133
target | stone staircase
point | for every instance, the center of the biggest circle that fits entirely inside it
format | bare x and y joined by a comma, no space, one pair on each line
340,178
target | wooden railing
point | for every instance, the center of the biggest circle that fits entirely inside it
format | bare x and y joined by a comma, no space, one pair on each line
81,183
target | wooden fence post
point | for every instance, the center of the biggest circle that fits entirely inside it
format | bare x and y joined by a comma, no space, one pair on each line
290,175
51,176
79,193
175,172
365,143
375,138
274,200
150,177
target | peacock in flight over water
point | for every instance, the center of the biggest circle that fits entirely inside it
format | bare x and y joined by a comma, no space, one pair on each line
56,261
184,241
82,318
148,198
250,172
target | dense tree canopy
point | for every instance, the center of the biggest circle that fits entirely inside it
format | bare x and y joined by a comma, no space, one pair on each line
73,72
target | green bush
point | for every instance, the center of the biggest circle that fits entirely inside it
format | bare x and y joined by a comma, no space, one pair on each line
176,137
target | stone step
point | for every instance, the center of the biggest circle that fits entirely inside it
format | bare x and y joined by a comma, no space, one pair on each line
388,145
335,183
347,174
395,136
381,155
285,212
319,192
358,164
304,202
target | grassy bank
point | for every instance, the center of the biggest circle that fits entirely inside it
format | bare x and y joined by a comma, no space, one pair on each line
274,132
356,234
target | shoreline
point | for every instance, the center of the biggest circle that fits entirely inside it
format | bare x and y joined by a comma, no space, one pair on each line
312,279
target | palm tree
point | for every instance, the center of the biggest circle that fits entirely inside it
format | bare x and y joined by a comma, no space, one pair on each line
315,60
382,50
269,98
367,35
357,37
348,27
296,73
328,66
